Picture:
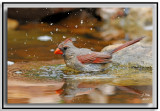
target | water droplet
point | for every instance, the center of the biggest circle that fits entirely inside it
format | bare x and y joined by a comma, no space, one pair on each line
56,29
76,26
51,50
64,37
91,28
51,33
25,43
51,23
81,21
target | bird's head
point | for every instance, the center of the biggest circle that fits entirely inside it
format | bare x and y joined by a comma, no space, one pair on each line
65,45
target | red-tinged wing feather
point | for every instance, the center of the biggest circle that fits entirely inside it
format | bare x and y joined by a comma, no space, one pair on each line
94,58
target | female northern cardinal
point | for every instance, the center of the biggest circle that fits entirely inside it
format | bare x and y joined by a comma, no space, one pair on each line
83,59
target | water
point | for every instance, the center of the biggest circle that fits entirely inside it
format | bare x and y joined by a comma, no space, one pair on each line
39,43
36,74
60,84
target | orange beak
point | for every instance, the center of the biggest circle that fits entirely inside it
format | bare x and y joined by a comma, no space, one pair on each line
58,51
59,91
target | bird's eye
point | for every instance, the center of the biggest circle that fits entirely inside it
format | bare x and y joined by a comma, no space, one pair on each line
65,48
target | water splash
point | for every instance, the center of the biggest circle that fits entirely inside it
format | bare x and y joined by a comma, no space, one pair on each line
51,23
50,71
76,26
81,21
64,36
57,29
51,33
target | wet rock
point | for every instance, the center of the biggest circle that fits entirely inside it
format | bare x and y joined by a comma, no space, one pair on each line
107,13
109,34
138,16
142,16
139,22
107,31
26,14
12,24
49,15
133,21
135,55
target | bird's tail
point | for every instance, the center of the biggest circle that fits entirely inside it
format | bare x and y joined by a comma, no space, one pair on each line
126,45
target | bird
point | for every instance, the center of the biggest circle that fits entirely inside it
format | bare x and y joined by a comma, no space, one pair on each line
86,60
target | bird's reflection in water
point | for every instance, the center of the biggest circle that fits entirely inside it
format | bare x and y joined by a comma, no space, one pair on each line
80,91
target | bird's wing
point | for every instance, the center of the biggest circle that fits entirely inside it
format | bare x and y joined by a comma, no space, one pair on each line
94,58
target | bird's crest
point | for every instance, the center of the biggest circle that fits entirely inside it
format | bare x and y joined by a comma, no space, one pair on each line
69,40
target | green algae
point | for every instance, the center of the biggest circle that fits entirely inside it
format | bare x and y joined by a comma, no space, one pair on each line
114,75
